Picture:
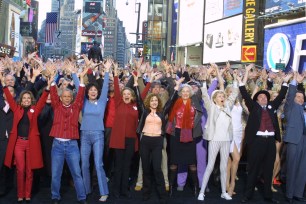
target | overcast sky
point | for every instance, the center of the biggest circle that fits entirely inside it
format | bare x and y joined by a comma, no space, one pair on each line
126,13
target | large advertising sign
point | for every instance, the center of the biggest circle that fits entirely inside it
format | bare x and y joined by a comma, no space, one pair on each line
6,50
284,44
250,27
92,18
222,40
14,28
190,21
213,10
232,7
278,6
194,55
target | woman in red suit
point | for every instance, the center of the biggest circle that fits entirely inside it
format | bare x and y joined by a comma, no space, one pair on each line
24,143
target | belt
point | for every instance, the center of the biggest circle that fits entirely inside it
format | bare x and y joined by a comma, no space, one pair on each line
265,136
23,138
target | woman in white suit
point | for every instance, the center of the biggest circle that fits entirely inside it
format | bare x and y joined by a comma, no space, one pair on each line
219,132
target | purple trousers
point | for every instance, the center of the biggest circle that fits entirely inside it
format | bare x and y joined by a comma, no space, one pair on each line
201,148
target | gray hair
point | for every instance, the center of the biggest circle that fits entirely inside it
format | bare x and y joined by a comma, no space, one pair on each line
61,91
183,86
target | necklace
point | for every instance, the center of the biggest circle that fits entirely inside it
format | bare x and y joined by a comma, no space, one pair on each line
93,101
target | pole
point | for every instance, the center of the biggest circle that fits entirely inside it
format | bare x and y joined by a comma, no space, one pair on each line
137,30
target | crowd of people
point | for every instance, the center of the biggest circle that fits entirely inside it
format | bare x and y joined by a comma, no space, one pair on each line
67,114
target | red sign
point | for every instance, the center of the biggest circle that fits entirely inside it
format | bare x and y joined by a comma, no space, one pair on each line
248,53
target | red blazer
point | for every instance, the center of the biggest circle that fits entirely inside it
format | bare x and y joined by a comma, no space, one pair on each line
65,122
126,121
36,160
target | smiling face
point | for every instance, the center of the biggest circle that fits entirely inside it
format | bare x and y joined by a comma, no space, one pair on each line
26,100
92,93
127,96
299,98
186,93
262,99
66,97
154,102
219,99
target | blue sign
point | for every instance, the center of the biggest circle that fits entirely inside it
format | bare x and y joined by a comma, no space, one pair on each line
232,7
279,46
279,6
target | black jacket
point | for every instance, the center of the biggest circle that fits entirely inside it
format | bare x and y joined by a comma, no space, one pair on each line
6,120
95,53
253,123
143,112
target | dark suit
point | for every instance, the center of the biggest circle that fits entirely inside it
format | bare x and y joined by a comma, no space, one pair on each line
6,120
261,150
295,138
94,53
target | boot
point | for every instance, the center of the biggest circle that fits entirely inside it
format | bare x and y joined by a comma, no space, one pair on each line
172,176
194,178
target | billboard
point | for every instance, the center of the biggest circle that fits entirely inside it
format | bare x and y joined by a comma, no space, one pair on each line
92,21
284,44
194,55
232,7
14,28
213,10
222,40
250,23
277,6
190,21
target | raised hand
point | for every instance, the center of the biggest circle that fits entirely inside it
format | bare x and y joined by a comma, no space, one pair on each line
107,64
300,77
115,69
249,67
178,83
288,77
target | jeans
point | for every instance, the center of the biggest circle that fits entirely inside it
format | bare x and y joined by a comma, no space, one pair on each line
93,140
70,152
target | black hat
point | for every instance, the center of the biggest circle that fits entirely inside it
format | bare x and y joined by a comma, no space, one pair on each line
262,92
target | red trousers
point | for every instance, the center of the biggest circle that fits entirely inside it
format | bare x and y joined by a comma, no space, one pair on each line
24,171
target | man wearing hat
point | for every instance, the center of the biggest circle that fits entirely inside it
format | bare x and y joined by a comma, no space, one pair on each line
261,131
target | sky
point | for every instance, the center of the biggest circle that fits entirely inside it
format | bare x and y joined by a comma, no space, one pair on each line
126,13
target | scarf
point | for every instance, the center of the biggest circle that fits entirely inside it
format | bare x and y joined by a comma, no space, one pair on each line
186,130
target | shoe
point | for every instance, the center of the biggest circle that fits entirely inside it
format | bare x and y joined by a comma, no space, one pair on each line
167,188
170,191
271,200
83,201
138,188
55,201
28,200
289,200
273,189
226,196
180,188
20,200
103,198
201,196
299,199
244,200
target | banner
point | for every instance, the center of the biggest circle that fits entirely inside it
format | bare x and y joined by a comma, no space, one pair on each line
14,30
232,7
92,22
250,27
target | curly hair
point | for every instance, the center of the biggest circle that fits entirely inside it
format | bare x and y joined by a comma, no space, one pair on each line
33,101
148,99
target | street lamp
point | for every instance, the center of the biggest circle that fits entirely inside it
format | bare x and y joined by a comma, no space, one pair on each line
137,10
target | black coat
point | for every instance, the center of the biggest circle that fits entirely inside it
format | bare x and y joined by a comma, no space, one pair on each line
95,53
253,123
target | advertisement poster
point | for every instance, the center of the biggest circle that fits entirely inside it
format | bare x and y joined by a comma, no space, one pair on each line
280,46
213,10
194,55
222,40
232,7
278,6
92,18
190,21
14,25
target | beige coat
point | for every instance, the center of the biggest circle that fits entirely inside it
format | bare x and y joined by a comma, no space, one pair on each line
213,112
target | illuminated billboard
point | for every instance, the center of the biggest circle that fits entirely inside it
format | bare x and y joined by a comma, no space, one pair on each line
190,21
92,18
222,40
